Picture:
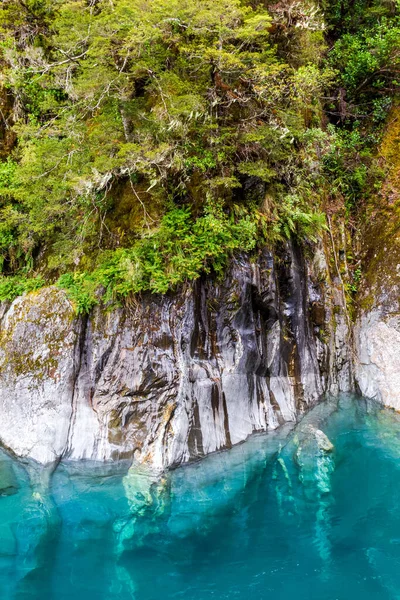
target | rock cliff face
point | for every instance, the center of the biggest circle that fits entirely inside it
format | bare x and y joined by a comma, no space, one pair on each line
377,330
377,337
175,377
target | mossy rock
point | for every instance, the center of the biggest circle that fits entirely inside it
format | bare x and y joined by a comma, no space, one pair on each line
35,333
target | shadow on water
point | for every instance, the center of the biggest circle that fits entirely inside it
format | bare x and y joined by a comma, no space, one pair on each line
308,512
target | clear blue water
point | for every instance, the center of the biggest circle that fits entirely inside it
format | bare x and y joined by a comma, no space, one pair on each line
282,516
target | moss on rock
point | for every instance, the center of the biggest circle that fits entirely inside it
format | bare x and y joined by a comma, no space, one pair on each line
35,333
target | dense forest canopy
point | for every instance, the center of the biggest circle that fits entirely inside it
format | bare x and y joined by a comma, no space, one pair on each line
145,141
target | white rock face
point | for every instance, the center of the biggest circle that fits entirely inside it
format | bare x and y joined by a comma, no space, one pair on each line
38,361
174,378
377,365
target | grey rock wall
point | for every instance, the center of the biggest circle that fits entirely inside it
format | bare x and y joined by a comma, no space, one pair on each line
377,328
173,378
377,366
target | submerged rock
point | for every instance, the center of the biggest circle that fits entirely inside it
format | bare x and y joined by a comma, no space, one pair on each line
313,459
8,480
302,477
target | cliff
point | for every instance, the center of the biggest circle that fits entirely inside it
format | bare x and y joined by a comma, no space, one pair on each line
175,377
259,132
377,330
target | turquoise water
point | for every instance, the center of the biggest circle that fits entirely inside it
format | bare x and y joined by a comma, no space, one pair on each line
283,516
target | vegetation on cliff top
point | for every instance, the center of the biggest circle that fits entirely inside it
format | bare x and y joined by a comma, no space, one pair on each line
145,142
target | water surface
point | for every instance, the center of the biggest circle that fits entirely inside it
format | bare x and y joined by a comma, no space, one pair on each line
284,515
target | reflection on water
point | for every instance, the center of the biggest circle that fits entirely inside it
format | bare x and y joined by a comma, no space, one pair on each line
312,513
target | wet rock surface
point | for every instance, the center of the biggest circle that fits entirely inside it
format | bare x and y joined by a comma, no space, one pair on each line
377,368
173,378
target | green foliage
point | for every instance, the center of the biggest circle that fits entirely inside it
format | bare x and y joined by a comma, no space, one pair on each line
351,16
366,57
349,164
11,287
369,61
180,250
81,289
296,220
353,286
154,140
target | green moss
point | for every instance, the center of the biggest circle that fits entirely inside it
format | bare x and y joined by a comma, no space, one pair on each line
382,225
31,343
